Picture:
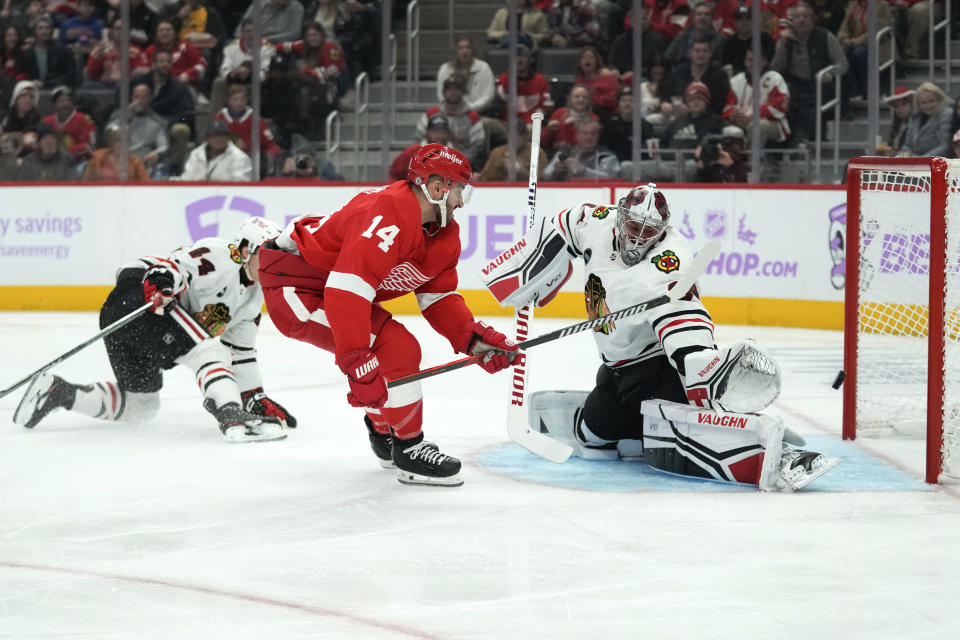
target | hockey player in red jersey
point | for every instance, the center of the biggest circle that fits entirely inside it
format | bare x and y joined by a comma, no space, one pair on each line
323,280
665,390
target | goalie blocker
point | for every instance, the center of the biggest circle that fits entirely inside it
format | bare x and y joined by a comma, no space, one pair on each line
743,448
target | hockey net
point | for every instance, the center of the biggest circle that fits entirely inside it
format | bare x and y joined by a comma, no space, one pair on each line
902,309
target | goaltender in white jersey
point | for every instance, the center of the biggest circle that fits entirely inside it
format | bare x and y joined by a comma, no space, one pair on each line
206,313
665,390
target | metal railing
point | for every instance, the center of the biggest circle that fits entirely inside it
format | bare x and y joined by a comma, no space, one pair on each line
413,50
889,64
361,138
943,25
392,70
332,132
820,108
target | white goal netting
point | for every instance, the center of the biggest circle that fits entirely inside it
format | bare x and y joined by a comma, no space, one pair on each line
894,322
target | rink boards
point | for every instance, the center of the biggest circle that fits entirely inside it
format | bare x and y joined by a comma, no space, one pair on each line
781,262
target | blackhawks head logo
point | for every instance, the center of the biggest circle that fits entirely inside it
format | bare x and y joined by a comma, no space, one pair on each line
595,297
666,261
235,254
602,212
214,318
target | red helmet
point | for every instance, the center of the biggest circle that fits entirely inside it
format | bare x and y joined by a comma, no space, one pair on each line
438,160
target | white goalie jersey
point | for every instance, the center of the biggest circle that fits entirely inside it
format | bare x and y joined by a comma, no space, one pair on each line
214,289
590,233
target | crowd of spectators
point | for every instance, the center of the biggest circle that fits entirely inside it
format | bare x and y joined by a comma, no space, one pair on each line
189,114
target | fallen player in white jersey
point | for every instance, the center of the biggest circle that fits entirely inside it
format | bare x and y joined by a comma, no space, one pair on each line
665,391
206,312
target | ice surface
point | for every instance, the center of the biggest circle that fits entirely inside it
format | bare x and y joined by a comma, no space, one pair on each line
168,531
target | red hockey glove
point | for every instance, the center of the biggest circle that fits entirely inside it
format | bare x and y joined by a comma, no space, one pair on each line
158,287
256,401
367,386
498,351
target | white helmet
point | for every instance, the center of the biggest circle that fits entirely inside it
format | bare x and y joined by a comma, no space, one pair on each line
254,232
642,217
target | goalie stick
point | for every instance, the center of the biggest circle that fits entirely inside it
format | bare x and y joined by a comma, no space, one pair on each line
697,267
125,320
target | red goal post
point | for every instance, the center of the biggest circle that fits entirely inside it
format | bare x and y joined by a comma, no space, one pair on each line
902,295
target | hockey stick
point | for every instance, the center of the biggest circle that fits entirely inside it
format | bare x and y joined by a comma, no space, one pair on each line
125,320
517,427
680,289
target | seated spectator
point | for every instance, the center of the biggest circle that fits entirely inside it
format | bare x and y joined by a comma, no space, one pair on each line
23,116
853,36
928,130
11,145
722,158
438,132
652,93
52,61
148,131
480,84
902,107
50,162
560,131
304,163
218,159
802,51
189,65
774,101
702,27
602,81
320,62
586,160
143,21
618,129
573,23
497,169
172,99
534,29
280,20
77,131
103,65
533,90
467,134
104,164
666,17
621,52
735,46
700,68
236,64
238,117
201,25
16,62
30,12
697,121
82,30
723,16
359,35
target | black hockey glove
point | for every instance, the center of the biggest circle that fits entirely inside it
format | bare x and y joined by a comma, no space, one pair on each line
257,402
158,285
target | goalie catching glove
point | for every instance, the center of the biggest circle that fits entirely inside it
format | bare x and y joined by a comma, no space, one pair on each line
367,385
743,378
257,402
499,352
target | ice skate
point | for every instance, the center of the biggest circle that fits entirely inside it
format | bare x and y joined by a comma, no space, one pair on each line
239,426
382,445
46,393
420,462
799,468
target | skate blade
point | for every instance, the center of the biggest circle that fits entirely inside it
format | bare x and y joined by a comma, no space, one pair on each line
828,464
386,464
28,403
405,477
239,435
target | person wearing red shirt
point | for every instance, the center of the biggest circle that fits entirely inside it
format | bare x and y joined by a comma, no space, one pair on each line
324,277
320,60
533,89
78,131
239,118
189,65
103,65
603,82
661,17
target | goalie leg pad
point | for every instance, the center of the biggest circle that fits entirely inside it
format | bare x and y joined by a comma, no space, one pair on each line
560,414
742,378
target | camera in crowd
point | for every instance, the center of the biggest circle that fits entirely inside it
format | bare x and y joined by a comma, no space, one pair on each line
304,162
710,148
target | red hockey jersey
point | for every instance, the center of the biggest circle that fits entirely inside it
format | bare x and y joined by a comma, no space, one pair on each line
79,133
185,58
533,94
242,126
371,250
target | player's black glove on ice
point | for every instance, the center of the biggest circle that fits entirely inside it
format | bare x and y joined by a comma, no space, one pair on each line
257,402
158,285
